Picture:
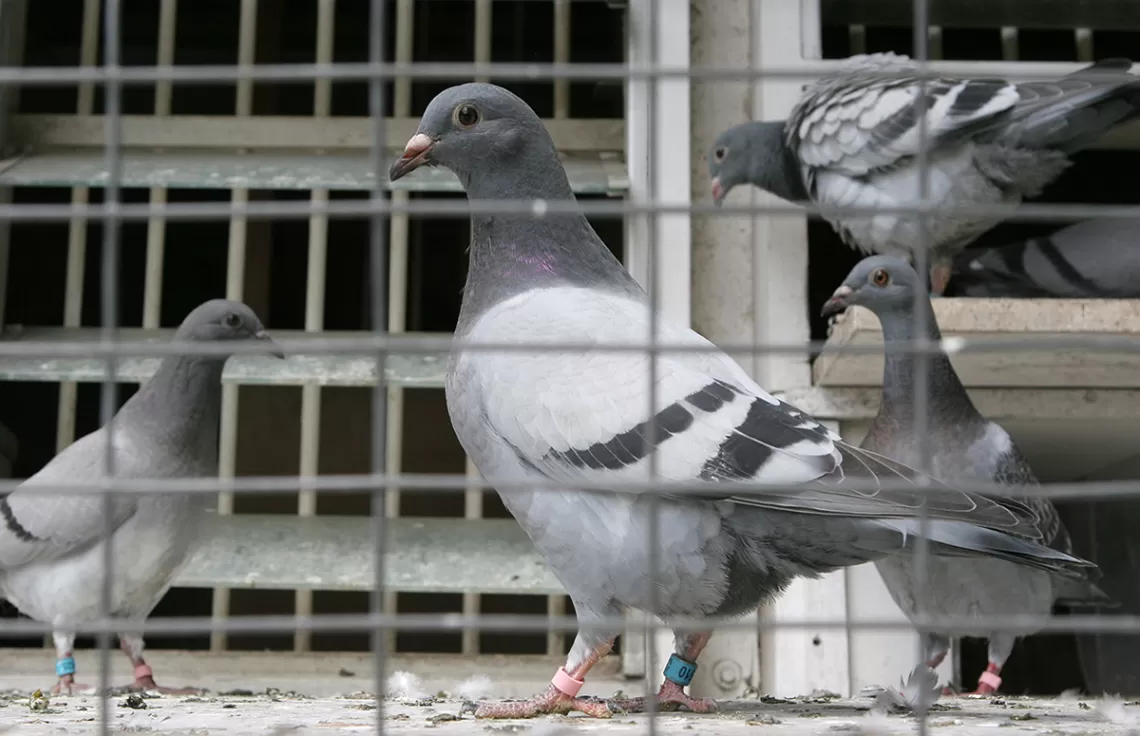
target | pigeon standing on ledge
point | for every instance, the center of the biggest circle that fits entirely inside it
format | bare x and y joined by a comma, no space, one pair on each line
537,416
52,544
853,140
1094,259
964,446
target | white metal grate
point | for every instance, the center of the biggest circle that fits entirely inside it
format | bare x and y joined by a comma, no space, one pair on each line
61,145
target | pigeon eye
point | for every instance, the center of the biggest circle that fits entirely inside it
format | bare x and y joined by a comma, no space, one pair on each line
232,320
880,278
720,153
466,115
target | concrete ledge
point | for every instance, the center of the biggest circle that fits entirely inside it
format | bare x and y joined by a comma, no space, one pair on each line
1060,404
981,320
284,552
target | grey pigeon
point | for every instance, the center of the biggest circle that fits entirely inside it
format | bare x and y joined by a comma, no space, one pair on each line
51,544
1094,259
539,416
853,138
964,446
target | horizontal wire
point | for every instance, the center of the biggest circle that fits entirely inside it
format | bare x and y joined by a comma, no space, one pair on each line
805,71
1091,490
442,622
459,207
368,343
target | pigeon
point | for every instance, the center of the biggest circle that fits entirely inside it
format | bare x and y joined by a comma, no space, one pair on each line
964,446
1094,259
575,418
52,545
852,140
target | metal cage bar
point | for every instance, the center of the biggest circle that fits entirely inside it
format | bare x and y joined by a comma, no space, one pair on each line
397,288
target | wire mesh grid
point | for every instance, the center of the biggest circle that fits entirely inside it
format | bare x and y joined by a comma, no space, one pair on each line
109,358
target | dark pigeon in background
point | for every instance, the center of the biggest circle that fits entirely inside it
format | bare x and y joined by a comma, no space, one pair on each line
853,138
535,417
1094,259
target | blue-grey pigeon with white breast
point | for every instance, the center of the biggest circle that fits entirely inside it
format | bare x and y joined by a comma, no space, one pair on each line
853,140
1094,259
582,417
963,446
52,544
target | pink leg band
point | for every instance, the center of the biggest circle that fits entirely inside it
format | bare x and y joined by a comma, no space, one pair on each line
143,670
991,679
565,683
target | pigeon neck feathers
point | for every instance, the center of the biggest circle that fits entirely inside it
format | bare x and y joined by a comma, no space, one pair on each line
181,403
773,166
515,253
947,395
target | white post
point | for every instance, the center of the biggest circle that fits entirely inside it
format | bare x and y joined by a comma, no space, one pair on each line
722,278
793,660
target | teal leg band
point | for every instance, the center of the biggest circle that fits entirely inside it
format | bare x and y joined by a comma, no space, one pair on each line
680,671
65,666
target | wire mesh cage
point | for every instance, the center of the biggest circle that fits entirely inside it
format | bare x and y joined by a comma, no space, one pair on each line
164,153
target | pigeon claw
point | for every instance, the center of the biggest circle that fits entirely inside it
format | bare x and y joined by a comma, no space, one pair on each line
553,701
68,686
670,697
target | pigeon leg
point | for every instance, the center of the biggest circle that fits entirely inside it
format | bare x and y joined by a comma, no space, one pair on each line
65,665
935,647
678,673
1000,647
561,696
132,646
939,277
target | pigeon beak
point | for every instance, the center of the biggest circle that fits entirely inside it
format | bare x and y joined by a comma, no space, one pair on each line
838,301
274,349
717,191
415,156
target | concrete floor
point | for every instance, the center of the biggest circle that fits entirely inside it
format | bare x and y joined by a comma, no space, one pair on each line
262,693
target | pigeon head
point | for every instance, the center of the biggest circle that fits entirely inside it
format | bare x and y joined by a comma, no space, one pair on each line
880,283
220,320
489,138
753,153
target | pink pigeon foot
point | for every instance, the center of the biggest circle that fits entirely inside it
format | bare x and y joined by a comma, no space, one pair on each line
144,682
66,685
551,701
670,697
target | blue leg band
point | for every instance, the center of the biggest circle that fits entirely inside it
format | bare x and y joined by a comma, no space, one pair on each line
65,666
680,671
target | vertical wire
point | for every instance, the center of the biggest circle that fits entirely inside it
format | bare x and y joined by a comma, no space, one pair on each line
473,509
235,289
921,304
156,224
473,496
379,261
314,317
398,285
556,604
654,534
110,316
